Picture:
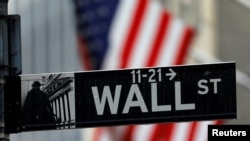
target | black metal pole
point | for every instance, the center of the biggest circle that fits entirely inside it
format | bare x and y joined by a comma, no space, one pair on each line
4,62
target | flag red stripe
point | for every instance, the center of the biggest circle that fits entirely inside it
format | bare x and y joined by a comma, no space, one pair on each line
156,133
169,131
193,131
188,35
129,42
162,132
157,44
128,133
98,133
218,122
83,54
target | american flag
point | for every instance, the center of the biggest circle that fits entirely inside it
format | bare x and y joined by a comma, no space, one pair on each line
135,33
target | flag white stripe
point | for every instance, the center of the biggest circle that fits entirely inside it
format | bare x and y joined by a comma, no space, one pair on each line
104,135
118,32
146,35
143,132
201,131
181,131
171,43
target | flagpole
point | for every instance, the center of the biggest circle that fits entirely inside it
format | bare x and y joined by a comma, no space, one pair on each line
3,64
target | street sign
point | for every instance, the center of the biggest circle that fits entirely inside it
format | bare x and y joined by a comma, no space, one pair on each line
129,96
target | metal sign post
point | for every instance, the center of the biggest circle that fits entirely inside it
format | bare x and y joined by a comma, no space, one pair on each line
3,63
10,67
120,97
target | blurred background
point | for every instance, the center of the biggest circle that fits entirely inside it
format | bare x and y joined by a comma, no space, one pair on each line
49,44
